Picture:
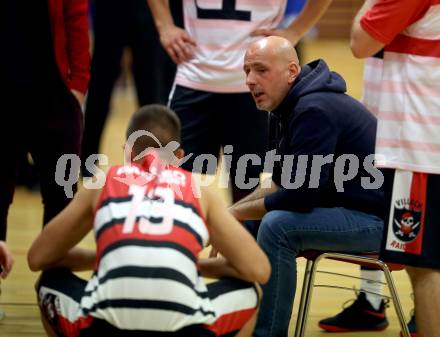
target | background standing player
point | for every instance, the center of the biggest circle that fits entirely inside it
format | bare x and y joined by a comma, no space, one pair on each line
408,139
210,96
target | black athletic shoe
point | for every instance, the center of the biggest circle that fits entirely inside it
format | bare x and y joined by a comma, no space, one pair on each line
359,316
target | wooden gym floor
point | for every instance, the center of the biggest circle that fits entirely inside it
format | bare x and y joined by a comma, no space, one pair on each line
18,299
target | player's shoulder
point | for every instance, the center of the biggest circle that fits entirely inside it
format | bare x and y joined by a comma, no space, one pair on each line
211,198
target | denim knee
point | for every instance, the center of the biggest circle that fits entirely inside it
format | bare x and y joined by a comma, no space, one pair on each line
277,228
270,227
274,226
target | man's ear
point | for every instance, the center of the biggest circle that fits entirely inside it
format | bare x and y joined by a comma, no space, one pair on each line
294,70
179,153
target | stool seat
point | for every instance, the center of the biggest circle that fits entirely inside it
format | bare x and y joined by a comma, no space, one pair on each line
314,254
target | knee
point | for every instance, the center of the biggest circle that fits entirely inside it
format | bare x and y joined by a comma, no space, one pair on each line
273,228
270,228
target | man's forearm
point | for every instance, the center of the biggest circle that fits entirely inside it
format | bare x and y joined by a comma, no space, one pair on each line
267,187
252,207
309,16
249,210
160,9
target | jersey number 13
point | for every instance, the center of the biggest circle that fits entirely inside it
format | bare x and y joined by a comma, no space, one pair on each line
162,208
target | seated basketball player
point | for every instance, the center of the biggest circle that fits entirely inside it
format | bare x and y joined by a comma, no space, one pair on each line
149,228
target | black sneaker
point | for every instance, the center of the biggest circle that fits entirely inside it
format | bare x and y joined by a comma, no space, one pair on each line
412,327
359,316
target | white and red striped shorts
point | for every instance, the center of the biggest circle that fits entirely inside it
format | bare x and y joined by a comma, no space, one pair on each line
60,293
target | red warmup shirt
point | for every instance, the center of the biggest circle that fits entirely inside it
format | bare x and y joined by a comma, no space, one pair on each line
70,33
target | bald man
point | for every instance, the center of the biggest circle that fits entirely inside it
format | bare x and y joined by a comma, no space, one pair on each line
324,192
210,96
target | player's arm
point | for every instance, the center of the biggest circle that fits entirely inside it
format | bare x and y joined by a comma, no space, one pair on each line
379,22
362,44
242,257
78,259
54,247
252,206
218,267
176,41
306,19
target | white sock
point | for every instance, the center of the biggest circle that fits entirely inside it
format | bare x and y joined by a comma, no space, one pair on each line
375,275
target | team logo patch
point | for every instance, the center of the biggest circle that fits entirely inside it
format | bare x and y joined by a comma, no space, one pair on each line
50,307
407,213
407,219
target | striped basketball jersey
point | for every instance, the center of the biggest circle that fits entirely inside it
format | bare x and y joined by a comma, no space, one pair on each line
408,135
372,82
149,231
221,29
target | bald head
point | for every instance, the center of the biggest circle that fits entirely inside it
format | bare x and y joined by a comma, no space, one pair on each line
275,47
271,66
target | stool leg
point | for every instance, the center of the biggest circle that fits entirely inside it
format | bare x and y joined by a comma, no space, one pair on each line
396,301
305,286
308,298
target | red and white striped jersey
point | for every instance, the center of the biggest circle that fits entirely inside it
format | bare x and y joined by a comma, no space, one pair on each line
149,231
408,136
372,83
222,31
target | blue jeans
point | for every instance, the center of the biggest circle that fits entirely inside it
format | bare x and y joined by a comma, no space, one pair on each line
283,235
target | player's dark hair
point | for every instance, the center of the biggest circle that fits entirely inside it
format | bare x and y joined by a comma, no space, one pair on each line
157,119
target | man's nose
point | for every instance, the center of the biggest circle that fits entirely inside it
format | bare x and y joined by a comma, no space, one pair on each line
250,79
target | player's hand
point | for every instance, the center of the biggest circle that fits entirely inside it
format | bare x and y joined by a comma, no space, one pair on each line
6,260
178,44
290,35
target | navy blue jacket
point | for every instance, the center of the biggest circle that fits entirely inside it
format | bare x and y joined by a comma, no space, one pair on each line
318,118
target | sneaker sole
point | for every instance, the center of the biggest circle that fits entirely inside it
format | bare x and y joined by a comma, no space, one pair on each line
332,328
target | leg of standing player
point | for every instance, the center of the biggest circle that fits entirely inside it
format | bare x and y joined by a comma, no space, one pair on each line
426,285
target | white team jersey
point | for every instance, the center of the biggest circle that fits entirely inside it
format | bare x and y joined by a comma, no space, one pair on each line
372,84
222,31
408,135
148,241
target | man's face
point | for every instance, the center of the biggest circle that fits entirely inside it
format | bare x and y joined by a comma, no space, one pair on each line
267,77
